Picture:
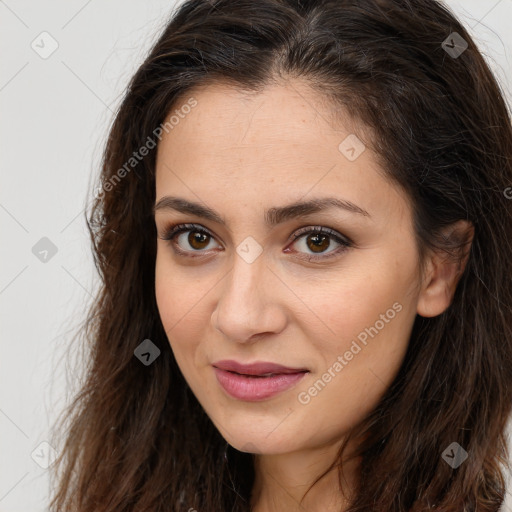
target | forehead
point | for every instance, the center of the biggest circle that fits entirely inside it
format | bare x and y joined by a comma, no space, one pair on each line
279,143
288,113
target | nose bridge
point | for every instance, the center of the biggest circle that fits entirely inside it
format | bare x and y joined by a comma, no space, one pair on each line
244,307
243,293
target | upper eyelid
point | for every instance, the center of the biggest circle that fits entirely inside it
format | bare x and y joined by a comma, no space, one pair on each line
187,226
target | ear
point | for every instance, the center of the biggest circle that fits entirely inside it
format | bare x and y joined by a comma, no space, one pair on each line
443,272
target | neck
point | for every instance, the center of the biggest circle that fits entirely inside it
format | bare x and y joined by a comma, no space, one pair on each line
281,480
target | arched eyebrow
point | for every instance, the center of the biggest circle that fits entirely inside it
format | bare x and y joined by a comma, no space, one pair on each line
273,216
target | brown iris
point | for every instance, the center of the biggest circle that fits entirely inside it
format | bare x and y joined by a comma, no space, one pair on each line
196,237
316,238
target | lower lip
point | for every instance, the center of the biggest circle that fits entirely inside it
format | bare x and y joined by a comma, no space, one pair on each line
253,389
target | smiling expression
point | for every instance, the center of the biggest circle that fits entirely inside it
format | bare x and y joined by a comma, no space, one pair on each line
285,252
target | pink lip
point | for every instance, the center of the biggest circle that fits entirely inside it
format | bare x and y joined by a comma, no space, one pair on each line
245,381
258,368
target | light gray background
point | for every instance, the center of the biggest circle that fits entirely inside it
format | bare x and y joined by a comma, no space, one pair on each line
55,113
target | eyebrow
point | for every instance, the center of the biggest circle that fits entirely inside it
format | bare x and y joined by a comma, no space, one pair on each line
273,216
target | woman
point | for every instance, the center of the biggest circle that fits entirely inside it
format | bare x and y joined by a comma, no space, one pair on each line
302,230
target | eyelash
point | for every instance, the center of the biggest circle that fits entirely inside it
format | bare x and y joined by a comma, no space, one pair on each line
172,231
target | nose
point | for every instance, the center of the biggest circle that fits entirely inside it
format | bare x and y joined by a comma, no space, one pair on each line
248,305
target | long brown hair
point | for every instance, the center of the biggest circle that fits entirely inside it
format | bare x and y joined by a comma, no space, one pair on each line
136,438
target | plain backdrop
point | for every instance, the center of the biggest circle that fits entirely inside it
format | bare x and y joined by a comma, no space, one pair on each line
55,113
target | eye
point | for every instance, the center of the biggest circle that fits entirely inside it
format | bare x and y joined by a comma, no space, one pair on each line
317,240
313,238
198,238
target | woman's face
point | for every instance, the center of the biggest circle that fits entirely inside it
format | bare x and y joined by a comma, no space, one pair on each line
337,316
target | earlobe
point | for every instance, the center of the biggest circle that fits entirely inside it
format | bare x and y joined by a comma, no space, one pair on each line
444,272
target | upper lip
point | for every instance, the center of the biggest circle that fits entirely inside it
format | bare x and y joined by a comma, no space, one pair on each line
257,368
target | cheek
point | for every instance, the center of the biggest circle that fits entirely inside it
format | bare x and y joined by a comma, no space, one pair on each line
175,306
182,300
369,319
369,293
352,379
178,293
165,294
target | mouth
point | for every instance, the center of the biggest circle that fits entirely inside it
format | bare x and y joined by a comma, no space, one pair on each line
256,381
255,376
258,369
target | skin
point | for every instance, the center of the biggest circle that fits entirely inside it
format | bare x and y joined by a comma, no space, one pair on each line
241,154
